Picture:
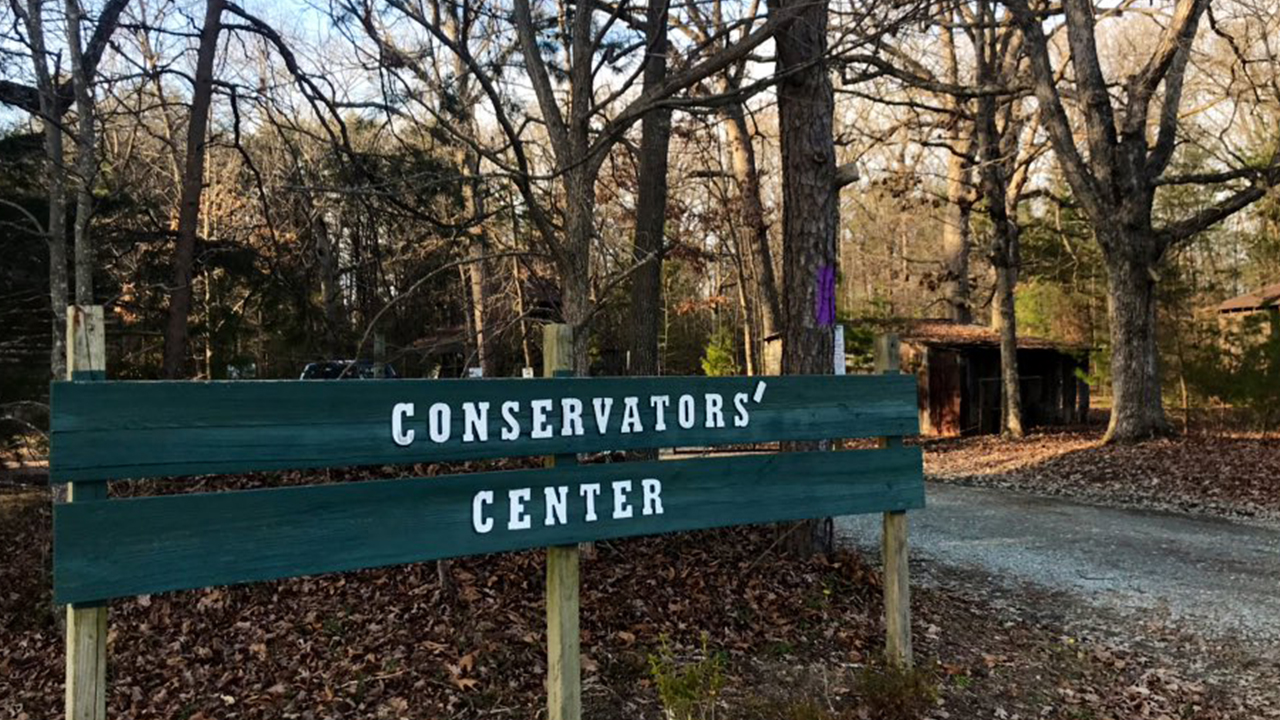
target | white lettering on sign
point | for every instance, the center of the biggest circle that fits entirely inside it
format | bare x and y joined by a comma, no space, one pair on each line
660,403
559,507
512,429
544,420
438,422
715,411
475,422
518,519
541,428
400,413
589,493
481,523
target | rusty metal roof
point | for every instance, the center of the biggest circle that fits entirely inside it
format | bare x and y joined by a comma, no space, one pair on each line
945,332
1268,296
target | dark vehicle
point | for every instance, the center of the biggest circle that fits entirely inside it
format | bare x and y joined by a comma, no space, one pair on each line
346,370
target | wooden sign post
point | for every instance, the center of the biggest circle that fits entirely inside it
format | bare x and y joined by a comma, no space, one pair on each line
108,548
564,660
86,682
893,549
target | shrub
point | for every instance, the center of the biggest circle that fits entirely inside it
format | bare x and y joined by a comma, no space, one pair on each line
688,690
721,356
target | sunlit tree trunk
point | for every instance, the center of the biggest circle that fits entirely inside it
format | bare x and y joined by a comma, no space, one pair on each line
810,213
175,339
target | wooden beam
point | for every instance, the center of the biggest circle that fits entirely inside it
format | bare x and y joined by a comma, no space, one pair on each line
86,651
897,591
564,662
897,587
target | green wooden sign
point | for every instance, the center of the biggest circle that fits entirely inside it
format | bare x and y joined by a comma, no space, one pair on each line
107,548
113,548
111,430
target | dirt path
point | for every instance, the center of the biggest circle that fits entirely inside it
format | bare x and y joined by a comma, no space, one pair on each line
1217,578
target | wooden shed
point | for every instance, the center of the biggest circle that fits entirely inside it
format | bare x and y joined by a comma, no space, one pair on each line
958,367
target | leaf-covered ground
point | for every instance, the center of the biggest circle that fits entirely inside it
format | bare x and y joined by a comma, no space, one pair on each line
797,636
1215,474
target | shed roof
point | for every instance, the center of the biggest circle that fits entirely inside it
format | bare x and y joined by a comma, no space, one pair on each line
946,332
1268,296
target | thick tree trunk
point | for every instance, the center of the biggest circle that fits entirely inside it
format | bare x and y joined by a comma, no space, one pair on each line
175,338
810,212
1137,407
651,206
746,175
574,261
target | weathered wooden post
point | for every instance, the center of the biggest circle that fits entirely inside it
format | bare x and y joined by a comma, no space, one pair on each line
86,681
893,549
564,664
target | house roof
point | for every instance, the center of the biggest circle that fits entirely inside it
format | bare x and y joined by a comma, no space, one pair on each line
1268,296
945,332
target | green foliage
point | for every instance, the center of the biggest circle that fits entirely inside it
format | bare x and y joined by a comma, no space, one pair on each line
720,359
860,346
1242,368
889,692
688,690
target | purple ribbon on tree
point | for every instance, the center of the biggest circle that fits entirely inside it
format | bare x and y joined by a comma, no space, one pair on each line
824,299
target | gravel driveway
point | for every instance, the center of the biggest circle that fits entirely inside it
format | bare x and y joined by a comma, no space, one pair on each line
1218,577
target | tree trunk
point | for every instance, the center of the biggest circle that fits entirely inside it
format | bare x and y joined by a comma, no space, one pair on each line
330,288
175,339
1010,386
1137,409
1004,231
651,205
810,213
50,114
86,158
955,236
574,261
746,175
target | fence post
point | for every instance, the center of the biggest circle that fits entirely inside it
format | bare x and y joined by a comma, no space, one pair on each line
86,681
564,664
893,548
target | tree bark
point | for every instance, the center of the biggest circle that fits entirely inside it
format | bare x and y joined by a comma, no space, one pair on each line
746,174
50,114
86,157
1137,408
1004,231
175,338
1115,183
330,288
810,212
651,204
956,235
956,230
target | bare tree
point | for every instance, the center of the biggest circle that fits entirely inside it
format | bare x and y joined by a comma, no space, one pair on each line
651,202
175,338
86,156
49,99
1115,176
48,109
995,188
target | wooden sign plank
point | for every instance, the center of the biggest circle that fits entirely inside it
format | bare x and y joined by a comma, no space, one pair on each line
115,548
110,430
